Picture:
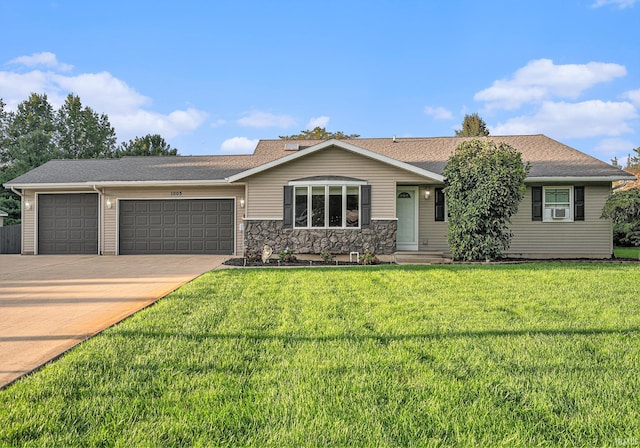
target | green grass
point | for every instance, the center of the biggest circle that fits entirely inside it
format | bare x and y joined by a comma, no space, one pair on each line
544,354
627,252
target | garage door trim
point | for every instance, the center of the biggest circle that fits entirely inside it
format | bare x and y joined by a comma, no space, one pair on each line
176,198
36,218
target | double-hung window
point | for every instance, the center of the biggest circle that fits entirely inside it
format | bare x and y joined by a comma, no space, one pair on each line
327,206
558,203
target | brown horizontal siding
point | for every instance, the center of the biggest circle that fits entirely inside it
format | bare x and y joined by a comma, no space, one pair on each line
264,190
432,234
29,223
590,237
110,235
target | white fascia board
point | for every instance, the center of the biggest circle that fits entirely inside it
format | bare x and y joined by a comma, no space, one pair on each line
160,183
339,144
579,179
144,183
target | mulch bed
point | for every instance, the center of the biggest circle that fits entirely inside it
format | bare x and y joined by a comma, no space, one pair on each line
243,262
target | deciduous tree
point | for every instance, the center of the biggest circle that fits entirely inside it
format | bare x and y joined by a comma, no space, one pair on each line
81,133
319,133
623,208
149,145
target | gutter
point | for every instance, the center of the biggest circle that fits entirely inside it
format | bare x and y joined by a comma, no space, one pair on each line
580,179
143,183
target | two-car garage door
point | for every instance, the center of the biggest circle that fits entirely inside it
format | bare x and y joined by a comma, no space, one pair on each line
68,224
182,226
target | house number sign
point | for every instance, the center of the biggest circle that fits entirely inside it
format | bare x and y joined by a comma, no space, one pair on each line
176,193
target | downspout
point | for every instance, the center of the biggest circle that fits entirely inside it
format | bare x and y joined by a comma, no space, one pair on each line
17,192
100,195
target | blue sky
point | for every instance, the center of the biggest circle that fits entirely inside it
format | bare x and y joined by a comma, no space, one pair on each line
214,77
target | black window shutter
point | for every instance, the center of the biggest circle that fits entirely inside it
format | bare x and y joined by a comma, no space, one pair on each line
287,216
365,203
536,203
578,203
439,201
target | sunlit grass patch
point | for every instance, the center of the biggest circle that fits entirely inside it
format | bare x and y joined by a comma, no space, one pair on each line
516,355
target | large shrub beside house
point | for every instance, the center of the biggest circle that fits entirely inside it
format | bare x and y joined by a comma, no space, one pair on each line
623,208
484,186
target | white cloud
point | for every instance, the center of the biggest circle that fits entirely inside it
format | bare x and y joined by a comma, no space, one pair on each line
609,148
102,91
128,110
16,87
542,80
239,145
621,4
258,119
318,122
217,123
44,59
573,120
439,113
140,122
633,95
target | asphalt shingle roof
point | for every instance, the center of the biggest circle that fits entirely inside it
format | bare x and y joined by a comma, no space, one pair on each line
548,158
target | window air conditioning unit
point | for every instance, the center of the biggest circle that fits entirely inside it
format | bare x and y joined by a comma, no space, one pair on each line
559,213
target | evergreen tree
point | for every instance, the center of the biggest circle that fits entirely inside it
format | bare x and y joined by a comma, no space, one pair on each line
473,126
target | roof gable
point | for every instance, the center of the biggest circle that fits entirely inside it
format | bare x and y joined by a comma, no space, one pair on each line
342,144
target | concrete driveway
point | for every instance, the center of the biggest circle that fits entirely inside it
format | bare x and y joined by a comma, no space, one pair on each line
48,304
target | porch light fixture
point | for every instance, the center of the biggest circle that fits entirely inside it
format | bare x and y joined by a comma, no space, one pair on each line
109,203
27,205
242,203
427,193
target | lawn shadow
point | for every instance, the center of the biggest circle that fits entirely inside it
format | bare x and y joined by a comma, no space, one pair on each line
382,338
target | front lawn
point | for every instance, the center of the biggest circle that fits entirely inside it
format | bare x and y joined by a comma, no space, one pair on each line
455,355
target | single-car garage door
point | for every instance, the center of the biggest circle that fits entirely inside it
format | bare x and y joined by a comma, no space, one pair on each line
182,226
68,223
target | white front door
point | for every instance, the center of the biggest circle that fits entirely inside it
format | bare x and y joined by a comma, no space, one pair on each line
407,213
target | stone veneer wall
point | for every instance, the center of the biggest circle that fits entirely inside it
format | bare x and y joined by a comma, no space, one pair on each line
380,238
